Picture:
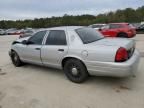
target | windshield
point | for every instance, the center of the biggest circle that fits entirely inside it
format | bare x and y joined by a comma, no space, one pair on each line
89,35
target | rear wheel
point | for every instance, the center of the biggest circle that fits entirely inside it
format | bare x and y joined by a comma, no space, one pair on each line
75,71
15,59
122,35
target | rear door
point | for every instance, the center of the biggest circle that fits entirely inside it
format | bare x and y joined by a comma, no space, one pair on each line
55,48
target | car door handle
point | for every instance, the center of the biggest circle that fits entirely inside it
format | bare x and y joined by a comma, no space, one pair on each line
37,48
61,50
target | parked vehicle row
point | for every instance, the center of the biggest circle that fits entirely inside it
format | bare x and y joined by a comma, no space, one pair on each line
140,29
108,30
79,51
2,32
14,31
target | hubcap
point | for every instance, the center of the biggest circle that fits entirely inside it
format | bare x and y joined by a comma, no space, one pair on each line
74,71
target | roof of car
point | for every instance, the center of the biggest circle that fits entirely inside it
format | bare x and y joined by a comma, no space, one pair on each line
120,23
64,28
99,24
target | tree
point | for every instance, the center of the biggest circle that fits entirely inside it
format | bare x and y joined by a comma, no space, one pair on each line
127,15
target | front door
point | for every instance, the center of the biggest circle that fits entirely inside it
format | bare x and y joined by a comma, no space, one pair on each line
32,51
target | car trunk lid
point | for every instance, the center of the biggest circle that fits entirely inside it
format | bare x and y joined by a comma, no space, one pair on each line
128,44
121,42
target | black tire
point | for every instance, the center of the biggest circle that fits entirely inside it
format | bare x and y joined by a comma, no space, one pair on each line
15,59
122,35
81,74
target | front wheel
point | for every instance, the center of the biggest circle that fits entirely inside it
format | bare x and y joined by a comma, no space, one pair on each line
75,71
15,59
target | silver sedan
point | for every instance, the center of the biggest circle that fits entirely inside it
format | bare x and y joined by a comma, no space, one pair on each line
79,51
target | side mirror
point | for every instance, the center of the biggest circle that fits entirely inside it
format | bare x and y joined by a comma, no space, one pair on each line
29,42
100,29
24,42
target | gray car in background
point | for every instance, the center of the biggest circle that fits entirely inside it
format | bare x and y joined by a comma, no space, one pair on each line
79,51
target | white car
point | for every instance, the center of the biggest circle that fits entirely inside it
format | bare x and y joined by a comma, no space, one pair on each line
79,51
2,32
97,26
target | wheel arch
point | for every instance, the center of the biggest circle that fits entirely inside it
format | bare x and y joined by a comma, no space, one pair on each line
14,50
71,57
118,34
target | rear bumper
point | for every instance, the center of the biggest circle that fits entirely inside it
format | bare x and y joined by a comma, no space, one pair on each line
128,68
131,34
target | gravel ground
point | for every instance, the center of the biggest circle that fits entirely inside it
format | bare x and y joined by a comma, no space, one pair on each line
40,87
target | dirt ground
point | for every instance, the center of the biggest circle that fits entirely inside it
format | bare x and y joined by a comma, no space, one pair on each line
40,87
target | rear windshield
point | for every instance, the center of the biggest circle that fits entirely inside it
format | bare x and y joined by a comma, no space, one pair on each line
89,35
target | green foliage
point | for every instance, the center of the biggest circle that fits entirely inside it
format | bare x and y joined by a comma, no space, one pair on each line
127,15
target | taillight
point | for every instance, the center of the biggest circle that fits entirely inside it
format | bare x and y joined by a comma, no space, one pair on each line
121,55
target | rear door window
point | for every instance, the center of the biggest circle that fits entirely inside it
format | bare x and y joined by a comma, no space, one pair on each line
115,26
56,37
